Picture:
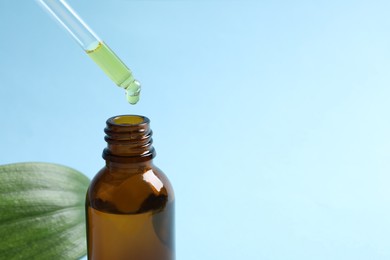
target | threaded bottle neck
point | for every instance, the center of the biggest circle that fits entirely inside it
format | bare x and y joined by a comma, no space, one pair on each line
129,139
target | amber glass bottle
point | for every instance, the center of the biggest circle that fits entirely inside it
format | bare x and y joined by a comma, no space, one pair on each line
130,202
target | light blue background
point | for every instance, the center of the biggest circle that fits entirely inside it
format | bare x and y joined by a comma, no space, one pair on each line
270,118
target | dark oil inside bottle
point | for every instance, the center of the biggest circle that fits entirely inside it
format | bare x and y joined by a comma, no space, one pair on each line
131,236
130,215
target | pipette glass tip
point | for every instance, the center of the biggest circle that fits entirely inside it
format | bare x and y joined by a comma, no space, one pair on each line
96,49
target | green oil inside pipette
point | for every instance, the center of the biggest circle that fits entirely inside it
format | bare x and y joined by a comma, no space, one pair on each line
115,69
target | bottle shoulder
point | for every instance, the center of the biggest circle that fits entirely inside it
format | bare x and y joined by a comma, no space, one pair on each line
129,190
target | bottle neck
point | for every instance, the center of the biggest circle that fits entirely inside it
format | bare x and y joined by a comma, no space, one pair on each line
129,140
127,167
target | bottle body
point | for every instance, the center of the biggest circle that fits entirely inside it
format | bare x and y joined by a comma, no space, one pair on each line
130,204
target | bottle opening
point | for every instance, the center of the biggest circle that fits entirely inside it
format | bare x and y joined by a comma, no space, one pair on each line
128,120
129,138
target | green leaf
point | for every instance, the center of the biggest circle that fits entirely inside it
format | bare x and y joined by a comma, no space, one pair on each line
42,213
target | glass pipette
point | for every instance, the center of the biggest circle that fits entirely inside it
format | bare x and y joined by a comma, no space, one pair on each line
96,49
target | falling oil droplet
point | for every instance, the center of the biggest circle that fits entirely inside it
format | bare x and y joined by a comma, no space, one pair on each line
133,92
